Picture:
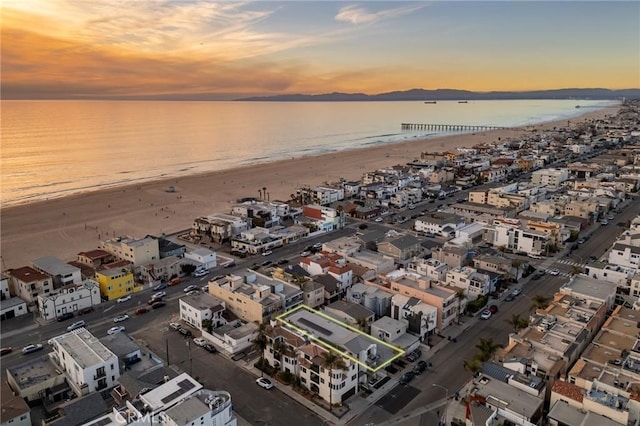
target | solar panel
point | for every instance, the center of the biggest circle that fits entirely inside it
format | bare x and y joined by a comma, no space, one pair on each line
315,326
102,422
184,386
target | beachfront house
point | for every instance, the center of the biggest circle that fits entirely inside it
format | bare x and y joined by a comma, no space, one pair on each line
27,283
218,227
70,298
136,251
116,283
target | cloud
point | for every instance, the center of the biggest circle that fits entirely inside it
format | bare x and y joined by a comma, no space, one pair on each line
359,15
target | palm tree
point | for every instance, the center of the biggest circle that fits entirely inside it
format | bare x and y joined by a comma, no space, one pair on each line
261,342
473,366
460,297
517,322
264,191
260,192
487,348
576,270
331,361
539,302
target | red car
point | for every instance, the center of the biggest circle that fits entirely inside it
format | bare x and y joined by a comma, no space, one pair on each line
5,351
493,309
141,311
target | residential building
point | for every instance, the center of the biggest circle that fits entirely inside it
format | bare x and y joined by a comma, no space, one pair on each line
116,282
451,255
202,257
625,255
95,258
473,283
420,318
137,251
255,297
332,264
12,307
376,300
168,248
14,411
60,272
33,380
394,331
313,293
234,337
401,248
474,212
256,240
321,195
445,224
262,214
162,269
550,177
202,311
218,227
353,314
88,365
510,234
325,219
69,298
27,283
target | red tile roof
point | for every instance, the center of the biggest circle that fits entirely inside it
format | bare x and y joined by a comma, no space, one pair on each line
569,390
27,274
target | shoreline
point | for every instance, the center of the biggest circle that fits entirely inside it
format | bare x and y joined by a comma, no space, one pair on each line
67,225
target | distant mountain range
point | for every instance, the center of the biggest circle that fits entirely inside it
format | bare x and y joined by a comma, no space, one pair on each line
454,95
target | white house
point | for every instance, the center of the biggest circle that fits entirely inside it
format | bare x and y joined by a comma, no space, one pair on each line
137,251
445,224
202,256
625,255
197,308
432,269
550,177
70,298
87,363
421,318
471,281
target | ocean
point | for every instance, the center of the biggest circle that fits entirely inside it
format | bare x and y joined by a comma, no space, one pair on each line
57,148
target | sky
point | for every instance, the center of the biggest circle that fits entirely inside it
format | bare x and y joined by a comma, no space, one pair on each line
190,49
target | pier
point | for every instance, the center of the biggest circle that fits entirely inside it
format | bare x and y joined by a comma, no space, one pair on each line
449,127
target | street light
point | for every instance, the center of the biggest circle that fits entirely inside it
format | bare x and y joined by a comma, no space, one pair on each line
444,414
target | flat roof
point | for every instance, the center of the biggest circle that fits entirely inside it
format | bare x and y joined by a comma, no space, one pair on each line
590,287
170,392
85,349
334,335
54,266
34,371
502,395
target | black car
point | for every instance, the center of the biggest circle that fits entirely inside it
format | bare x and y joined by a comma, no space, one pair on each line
283,261
510,297
158,305
65,316
406,377
154,301
185,332
210,348
86,310
419,367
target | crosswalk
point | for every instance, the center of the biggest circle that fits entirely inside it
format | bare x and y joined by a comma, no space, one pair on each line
567,262
571,263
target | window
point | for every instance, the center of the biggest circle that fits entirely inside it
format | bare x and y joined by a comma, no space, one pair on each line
111,366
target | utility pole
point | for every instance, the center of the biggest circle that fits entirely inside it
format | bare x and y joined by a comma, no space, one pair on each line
167,343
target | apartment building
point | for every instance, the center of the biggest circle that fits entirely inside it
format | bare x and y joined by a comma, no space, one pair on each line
401,248
88,365
321,195
200,310
27,283
471,281
254,297
421,318
137,251
376,300
324,218
332,264
511,235
219,227
69,298
60,272
432,269
116,282
445,224
550,177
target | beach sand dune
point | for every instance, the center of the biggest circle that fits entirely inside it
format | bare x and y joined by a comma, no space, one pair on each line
66,226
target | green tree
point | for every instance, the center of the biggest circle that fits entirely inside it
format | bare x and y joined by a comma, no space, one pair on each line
487,348
576,270
517,322
473,366
539,302
207,324
261,342
331,361
460,297
187,268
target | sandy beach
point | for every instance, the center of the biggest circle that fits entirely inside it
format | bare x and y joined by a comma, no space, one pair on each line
65,226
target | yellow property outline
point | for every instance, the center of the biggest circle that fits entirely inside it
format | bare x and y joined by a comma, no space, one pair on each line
282,318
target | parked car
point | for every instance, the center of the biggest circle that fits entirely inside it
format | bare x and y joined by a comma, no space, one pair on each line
493,309
121,318
159,287
266,263
153,300
124,298
86,310
65,316
189,288
158,305
419,367
510,297
31,348
267,253
516,292
486,314
199,341
75,325
116,329
159,295
185,332
305,253
141,311
200,273
230,264
582,241
210,348
175,325
406,377
538,274
283,261
554,272
414,355
264,383
174,281
205,288
7,350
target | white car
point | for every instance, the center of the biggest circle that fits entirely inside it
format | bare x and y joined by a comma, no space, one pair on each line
124,299
378,219
205,288
175,325
31,348
264,383
159,295
199,341
486,314
554,272
190,288
305,253
75,325
200,273
267,253
116,329
121,318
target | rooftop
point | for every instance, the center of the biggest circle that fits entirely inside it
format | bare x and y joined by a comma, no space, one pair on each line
170,392
502,395
11,406
201,301
85,349
54,266
583,285
34,371
27,274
